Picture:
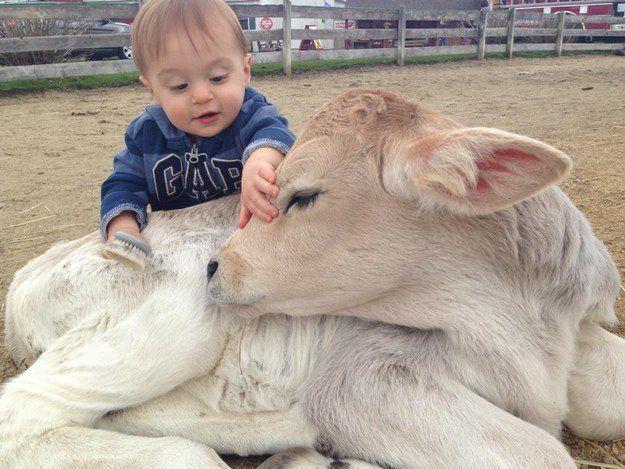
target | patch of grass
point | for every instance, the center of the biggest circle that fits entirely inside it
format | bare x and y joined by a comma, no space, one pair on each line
544,54
72,83
317,65
132,78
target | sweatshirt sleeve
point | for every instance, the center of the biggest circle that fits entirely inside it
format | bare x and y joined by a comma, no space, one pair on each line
126,187
266,128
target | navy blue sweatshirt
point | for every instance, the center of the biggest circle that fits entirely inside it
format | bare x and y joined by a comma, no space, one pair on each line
164,167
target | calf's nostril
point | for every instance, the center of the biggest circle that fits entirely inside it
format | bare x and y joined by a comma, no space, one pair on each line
211,268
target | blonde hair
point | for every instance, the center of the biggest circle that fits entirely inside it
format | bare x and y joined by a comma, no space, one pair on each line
156,18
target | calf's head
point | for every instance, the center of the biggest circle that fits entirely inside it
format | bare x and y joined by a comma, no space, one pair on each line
363,195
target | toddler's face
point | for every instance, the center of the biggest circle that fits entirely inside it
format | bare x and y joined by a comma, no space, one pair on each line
200,88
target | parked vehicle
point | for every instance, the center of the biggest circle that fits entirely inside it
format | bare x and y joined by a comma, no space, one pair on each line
108,26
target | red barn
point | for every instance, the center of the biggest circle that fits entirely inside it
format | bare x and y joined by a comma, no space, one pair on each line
581,7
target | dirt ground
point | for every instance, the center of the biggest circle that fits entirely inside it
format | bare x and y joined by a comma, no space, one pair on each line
56,147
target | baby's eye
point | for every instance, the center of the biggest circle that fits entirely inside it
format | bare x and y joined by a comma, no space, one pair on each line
218,79
180,87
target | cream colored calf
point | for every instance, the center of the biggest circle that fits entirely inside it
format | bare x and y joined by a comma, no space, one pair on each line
392,212
145,370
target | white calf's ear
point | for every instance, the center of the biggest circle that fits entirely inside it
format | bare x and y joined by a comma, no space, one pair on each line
473,171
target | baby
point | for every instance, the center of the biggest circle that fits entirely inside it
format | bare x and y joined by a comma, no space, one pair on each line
209,133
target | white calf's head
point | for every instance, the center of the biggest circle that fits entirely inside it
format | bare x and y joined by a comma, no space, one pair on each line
373,187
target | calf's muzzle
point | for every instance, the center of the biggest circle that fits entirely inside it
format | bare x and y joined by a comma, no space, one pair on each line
211,268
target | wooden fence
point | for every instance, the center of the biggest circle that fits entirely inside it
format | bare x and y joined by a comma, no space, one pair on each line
503,29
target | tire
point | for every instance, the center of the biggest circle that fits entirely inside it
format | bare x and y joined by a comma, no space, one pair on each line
125,52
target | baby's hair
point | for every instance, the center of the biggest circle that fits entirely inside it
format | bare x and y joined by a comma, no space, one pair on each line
195,18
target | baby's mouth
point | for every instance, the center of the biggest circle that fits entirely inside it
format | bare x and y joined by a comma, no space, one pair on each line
208,117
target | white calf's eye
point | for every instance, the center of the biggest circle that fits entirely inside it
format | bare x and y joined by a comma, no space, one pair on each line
303,199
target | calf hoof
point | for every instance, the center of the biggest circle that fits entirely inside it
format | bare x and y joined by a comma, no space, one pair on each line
306,458
300,458
178,452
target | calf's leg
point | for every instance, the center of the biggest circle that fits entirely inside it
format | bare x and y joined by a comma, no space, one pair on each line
184,413
597,385
387,414
41,302
99,367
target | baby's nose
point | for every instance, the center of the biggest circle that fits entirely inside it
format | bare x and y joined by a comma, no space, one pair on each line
202,94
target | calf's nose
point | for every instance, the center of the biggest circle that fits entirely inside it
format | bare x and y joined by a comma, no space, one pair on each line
211,268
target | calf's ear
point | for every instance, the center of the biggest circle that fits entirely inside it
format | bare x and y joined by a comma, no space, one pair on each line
473,171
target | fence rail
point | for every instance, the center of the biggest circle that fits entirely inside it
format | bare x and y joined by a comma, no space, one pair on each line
539,4
88,41
68,11
504,29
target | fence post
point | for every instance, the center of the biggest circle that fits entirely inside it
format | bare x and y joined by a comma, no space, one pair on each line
286,37
560,33
401,37
140,4
481,34
510,43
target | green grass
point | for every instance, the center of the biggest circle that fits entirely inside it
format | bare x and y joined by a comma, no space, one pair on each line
72,83
132,78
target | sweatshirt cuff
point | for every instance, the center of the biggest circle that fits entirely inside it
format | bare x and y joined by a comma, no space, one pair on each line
265,143
140,214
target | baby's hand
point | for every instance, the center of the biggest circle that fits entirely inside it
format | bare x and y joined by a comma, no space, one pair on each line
125,222
132,249
258,183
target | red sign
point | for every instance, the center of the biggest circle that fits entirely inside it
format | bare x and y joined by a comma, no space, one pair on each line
266,23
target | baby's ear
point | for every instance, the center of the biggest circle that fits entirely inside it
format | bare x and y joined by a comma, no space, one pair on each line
144,81
247,68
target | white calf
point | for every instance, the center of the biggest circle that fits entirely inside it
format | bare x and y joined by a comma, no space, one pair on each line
145,370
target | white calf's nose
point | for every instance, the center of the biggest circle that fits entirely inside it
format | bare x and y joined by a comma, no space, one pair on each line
211,268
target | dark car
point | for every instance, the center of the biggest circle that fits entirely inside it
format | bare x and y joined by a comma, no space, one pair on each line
107,26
